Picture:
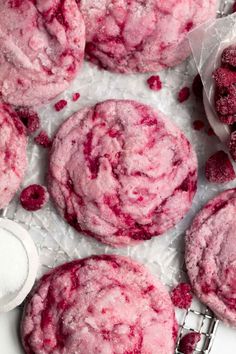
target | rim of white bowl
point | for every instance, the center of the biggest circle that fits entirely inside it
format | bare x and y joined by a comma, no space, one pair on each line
33,263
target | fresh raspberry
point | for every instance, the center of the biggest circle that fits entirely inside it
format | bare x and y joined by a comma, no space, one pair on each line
43,139
197,86
34,197
234,7
188,343
75,96
29,118
181,296
60,105
228,119
226,104
183,94
219,168
198,125
154,83
224,77
229,54
232,145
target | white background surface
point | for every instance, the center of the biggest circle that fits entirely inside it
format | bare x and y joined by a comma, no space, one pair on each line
225,342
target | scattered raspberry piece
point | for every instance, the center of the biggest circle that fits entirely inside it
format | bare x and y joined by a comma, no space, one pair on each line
219,168
34,197
188,343
60,105
181,296
197,86
43,139
29,118
154,83
210,132
75,96
18,124
198,125
232,146
183,94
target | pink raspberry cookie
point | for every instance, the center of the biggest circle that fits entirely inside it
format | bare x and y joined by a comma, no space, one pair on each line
41,49
211,255
121,172
140,36
103,304
13,159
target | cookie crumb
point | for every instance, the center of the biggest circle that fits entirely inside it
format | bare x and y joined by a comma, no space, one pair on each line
219,168
188,342
60,105
154,83
34,197
183,94
181,296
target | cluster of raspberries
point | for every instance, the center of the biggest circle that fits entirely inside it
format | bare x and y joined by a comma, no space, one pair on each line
225,93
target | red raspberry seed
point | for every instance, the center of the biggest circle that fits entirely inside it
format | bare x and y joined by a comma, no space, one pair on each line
60,105
43,139
183,94
188,343
154,83
181,296
34,197
219,168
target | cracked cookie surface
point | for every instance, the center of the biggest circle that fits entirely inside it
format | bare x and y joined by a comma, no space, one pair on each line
103,304
140,36
121,172
41,49
211,256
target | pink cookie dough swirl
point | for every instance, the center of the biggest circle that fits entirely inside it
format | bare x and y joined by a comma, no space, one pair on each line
103,304
211,256
121,172
140,36
41,49
13,159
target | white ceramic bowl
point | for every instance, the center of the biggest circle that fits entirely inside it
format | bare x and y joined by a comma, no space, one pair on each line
16,298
